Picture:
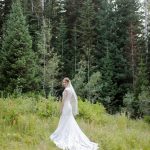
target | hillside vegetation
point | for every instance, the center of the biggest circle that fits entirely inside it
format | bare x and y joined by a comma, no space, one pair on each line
26,123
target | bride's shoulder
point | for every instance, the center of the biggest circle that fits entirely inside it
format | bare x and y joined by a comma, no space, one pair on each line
67,89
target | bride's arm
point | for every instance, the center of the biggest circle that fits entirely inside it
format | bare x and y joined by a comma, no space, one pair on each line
63,99
61,106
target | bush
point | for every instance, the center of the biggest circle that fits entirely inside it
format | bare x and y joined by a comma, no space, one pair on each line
147,119
47,108
91,112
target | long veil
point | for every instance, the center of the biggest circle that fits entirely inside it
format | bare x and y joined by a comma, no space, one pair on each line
74,101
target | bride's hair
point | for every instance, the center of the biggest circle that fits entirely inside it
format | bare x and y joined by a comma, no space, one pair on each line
67,79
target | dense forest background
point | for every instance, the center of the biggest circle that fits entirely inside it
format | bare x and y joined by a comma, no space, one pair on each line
101,45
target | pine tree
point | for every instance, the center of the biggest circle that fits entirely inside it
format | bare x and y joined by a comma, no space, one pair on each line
62,47
18,68
148,41
106,52
87,36
34,12
109,88
141,89
118,28
128,41
75,48
5,7
72,16
129,29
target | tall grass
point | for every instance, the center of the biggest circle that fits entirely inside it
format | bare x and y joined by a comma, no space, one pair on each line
27,122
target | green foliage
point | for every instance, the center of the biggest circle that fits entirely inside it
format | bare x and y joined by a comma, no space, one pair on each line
79,80
48,60
128,101
18,67
89,111
29,121
142,78
98,44
48,108
138,107
24,105
109,88
86,36
93,87
62,46
62,41
116,52
144,103
147,119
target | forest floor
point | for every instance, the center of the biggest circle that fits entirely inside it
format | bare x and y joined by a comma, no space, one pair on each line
26,124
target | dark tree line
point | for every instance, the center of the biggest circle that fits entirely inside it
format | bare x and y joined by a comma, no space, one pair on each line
100,44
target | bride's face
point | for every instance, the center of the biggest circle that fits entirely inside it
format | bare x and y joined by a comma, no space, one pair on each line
64,83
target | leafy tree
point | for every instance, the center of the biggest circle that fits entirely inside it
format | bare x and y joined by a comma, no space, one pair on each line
128,100
141,79
93,87
79,80
144,103
48,60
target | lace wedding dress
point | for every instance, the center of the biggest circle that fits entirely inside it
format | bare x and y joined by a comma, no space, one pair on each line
68,135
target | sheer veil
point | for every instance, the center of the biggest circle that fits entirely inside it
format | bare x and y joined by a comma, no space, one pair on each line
74,101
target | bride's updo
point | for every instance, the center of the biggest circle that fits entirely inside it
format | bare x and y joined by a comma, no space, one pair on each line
67,79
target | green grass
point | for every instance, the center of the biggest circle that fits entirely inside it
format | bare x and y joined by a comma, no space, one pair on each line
27,122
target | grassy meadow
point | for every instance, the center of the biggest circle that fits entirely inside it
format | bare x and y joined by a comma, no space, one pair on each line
26,123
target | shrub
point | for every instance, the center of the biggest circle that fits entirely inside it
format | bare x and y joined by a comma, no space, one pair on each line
91,112
147,119
47,108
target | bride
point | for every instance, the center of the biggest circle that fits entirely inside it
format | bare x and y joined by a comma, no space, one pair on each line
68,135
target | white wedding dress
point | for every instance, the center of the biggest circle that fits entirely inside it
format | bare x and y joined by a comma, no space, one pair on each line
68,135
